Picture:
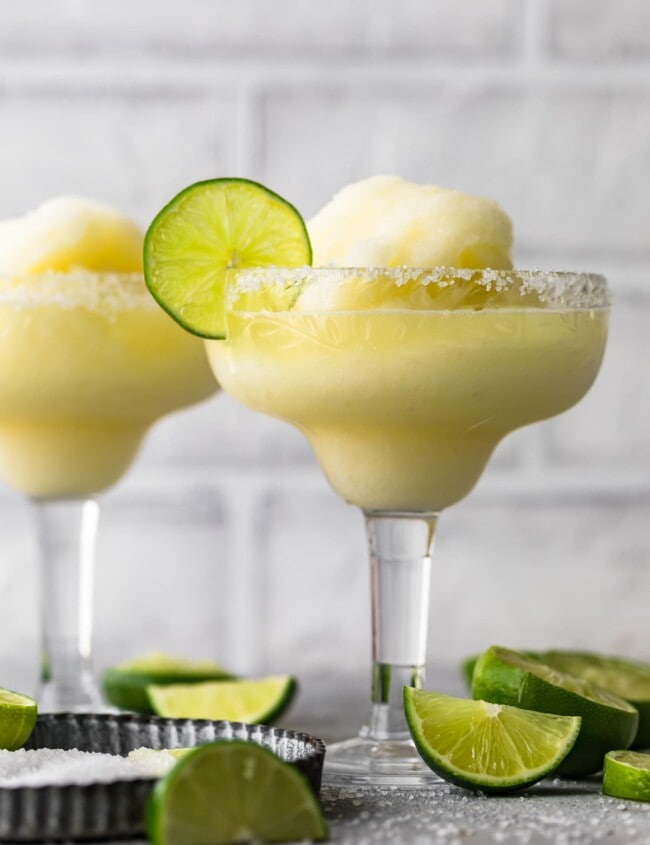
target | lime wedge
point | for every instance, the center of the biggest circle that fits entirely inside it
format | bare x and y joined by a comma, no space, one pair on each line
125,685
627,775
205,230
233,791
629,679
608,722
17,718
491,747
257,701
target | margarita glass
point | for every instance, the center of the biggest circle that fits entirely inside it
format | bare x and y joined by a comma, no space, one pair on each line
404,381
89,364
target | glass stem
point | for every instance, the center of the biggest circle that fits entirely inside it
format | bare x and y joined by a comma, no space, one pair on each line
400,547
67,531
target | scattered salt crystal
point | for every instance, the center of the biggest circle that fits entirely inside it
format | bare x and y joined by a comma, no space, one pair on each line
151,763
58,767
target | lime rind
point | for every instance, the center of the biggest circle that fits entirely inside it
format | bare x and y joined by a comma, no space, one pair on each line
490,747
255,701
231,791
208,228
626,774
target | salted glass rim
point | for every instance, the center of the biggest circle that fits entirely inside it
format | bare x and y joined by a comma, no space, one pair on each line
556,289
94,289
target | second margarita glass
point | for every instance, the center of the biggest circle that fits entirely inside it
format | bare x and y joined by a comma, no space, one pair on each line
89,364
404,380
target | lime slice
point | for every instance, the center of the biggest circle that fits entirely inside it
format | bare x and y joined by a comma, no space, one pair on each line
491,747
233,791
17,718
257,701
608,722
208,228
125,685
629,679
627,775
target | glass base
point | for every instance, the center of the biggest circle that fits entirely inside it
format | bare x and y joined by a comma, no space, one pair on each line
362,761
82,697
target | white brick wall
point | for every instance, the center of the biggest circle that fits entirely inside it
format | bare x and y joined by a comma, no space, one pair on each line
223,539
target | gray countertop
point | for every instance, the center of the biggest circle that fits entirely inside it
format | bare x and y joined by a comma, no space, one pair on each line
551,813
554,812
557,812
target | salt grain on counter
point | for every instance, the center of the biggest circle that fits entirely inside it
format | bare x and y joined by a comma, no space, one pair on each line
56,767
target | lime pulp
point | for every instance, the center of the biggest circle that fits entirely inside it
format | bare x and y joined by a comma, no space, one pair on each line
258,701
483,746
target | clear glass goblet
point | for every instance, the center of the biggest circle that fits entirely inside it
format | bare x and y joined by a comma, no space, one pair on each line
404,380
89,364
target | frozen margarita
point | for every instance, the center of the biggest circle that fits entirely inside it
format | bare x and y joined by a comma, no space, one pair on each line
404,380
89,361
404,354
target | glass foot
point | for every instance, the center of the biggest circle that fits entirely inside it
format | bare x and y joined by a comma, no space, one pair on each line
79,697
369,762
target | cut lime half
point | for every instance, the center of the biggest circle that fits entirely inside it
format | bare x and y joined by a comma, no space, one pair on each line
487,747
17,719
125,685
608,722
209,228
258,701
233,791
627,775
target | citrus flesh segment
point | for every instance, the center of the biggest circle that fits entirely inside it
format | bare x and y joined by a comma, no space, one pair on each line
209,228
17,719
629,679
233,791
627,775
484,746
258,701
125,685
608,722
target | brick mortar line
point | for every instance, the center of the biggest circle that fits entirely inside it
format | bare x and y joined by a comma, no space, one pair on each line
299,75
250,131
